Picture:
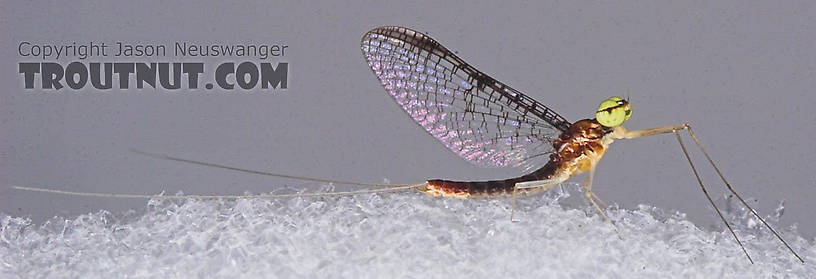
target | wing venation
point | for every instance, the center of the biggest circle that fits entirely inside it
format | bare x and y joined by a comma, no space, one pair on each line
476,116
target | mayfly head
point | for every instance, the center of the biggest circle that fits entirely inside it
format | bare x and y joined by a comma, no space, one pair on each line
613,111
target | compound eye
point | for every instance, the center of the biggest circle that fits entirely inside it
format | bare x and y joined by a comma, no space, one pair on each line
613,112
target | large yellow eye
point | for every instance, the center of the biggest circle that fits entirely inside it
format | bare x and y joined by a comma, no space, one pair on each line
613,112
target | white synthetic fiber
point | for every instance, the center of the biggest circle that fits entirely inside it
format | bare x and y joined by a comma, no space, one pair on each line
397,235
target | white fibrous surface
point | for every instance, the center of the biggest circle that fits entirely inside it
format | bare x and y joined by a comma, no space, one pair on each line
392,235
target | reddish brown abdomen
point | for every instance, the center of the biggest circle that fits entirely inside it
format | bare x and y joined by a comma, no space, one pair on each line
573,146
484,189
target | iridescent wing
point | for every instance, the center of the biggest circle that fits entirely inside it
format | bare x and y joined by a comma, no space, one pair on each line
477,117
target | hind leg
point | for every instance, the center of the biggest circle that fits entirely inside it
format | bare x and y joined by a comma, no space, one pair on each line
542,185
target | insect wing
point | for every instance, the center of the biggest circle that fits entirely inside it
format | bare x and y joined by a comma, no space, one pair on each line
477,117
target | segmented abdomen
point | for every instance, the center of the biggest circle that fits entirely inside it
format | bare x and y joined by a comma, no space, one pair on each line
577,149
485,189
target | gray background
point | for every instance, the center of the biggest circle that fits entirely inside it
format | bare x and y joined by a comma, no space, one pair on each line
742,73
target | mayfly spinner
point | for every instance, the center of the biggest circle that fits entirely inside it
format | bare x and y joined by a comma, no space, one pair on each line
488,124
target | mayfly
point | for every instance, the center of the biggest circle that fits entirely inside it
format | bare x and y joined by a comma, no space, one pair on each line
487,123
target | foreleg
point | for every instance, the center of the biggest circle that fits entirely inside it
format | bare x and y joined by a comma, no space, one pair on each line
623,133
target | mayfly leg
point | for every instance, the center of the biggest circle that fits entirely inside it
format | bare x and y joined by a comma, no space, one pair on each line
675,129
708,197
731,189
547,184
542,185
591,197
